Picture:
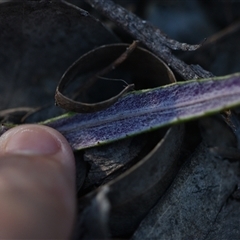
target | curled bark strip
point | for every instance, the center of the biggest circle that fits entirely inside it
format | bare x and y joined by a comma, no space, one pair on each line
76,106
110,67
15,113
136,191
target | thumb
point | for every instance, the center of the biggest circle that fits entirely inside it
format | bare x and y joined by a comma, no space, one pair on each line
37,183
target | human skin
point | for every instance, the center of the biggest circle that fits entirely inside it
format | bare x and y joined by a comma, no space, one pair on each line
37,184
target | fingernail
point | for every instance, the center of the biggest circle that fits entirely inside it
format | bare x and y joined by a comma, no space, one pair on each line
39,140
31,140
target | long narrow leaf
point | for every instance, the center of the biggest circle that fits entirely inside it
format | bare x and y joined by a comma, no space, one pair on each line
146,110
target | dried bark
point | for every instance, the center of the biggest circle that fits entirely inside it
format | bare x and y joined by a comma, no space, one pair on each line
151,37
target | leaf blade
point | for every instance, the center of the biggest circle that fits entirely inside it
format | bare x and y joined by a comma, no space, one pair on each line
146,110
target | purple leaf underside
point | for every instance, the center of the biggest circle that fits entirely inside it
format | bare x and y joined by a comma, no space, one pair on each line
146,110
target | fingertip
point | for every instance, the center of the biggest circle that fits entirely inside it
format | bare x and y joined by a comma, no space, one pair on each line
40,140
37,176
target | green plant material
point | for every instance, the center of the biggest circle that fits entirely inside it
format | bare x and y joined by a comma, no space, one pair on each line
150,109
146,110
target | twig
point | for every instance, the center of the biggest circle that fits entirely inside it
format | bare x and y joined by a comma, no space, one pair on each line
151,37
222,34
